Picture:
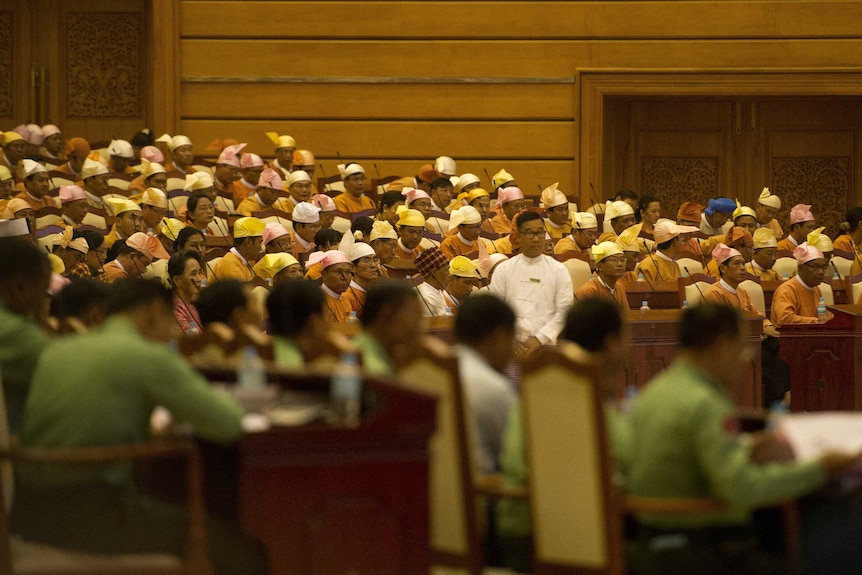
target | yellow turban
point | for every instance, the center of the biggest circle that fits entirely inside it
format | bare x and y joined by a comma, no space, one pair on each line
281,141
628,240
248,228
412,218
463,267
820,240
605,249
122,205
476,193
270,265
171,228
764,238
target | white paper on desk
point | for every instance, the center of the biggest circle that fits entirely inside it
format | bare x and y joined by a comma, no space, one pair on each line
812,434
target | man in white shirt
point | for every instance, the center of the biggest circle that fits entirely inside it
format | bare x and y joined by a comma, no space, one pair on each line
485,339
434,267
536,286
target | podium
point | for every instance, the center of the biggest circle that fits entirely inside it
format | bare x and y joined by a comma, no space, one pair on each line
825,361
331,500
653,346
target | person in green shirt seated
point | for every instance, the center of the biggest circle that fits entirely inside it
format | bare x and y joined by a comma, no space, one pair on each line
391,325
296,321
100,389
596,326
24,277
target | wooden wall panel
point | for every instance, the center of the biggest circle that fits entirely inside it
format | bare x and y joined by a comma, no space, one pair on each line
297,101
522,19
491,82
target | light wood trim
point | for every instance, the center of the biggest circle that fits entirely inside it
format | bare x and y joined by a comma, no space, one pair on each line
165,70
524,19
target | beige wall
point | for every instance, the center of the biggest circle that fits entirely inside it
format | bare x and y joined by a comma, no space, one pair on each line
493,84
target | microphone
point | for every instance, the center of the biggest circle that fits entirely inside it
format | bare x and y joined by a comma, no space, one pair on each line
490,179
325,177
649,253
832,263
697,287
595,200
101,267
422,297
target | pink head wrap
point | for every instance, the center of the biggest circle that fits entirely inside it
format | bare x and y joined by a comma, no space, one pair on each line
273,231
333,257
230,155
801,213
250,161
412,194
269,179
71,193
153,154
324,202
507,195
805,253
722,253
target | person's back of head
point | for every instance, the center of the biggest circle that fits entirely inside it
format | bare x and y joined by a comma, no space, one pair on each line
327,238
480,316
389,199
291,306
24,275
129,294
590,322
218,301
704,326
85,299
383,300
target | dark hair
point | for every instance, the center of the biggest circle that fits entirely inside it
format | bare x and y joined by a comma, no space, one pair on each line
78,297
117,248
218,301
143,138
389,199
665,245
22,259
703,325
327,236
591,321
440,183
184,236
385,295
177,263
131,293
363,224
192,204
625,195
525,217
291,304
643,204
854,218
94,239
480,316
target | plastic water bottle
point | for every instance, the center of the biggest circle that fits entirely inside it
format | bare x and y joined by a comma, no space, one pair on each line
149,231
352,317
346,390
640,276
251,373
448,312
193,329
685,304
821,310
644,306
785,276
203,282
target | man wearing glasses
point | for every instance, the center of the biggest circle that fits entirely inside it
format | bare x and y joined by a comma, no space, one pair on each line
536,286
795,300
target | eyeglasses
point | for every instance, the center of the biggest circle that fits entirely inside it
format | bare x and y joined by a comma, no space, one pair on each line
531,235
817,267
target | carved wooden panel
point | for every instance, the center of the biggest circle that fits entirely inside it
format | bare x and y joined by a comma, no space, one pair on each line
677,180
104,64
823,182
6,108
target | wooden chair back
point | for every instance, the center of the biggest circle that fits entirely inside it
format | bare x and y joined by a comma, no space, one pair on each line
826,292
691,288
754,289
785,266
575,522
330,185
842,265
579,271
694,266
454,532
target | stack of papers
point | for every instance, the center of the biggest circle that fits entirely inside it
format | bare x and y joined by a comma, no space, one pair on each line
812,434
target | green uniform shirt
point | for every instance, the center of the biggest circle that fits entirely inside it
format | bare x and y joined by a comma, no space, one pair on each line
685,444
513,515
286,352
375,360
100,388
21,343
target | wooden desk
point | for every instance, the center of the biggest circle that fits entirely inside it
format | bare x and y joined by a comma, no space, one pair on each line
659,295
653,347
332,500
825,361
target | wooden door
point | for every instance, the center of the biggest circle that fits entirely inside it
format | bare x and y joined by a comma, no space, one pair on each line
80,64
804,150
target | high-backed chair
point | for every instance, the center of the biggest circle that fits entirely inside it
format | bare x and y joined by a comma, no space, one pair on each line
694,266
579,271
576,528
19,557
691,288
754,289
853,287
841,264
785,266
826,292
